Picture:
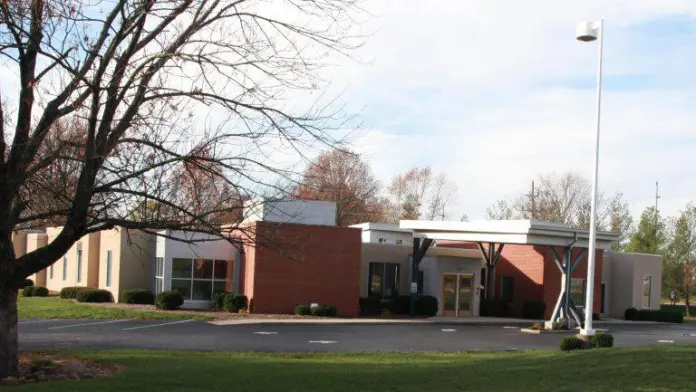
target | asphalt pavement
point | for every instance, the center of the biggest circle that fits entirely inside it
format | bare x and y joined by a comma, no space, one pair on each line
198,335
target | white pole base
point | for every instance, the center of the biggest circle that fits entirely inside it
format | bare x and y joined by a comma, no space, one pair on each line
587,332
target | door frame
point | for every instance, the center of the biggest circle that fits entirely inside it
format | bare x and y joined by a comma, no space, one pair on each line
458,275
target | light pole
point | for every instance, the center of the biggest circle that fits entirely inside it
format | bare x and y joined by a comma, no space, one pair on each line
588,32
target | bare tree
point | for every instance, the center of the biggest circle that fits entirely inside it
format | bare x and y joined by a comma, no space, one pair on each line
159,86
419,192
342,177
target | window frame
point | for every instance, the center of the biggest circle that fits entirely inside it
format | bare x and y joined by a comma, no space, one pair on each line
192,279
383,275
642,295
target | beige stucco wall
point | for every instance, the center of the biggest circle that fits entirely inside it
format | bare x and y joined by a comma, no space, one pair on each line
34,242
385,253
90,262
131,262
625,285
19,243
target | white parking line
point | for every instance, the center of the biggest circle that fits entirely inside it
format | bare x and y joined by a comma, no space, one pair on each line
37,321
85,324
158,325
509,327
265,333
323,341
448,330
665,341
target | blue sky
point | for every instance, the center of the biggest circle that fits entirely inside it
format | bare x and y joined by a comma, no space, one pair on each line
495,93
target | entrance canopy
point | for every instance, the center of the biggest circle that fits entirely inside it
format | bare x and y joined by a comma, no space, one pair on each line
523,232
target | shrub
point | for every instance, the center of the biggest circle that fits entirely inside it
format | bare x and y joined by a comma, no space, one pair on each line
631,314
38,291
241,301
169,300
533,310
219,300
234,302
572,343
426,305
596,317
27,291
94,296
400,305
492,308
138,296
26,283
37,365
71,292
317,310
370,306
329,310
303,310
602,339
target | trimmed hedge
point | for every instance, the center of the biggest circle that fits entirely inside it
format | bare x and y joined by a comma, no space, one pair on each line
426,305
663,316
303,310
94,296
234,302
602,340
533,310
569,343
71,292
370,306
169,300
219,300
138,296
26,283
495,307
39,291
400,305
27,291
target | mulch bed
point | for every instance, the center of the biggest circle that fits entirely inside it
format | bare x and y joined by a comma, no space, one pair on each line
40,366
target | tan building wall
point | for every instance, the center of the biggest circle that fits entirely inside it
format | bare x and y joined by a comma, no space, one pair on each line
65,273
385,253
34,242
132,257
19,242
626,285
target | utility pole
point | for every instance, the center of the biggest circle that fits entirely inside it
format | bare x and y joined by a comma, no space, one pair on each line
655,229
533,206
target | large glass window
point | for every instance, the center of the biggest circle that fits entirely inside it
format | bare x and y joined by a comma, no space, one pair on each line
198,279
108,267
383,280
50,272
65,267
577,291
507,289
79,265
647,288
159,274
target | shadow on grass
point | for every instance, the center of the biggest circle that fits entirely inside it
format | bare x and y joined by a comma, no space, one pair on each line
638,369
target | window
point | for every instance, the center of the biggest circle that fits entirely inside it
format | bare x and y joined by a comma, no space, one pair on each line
159,274
108,267
647,288
399,242
577,291
196,279
79,265
507,289
382,240
50,272
65,267
383,280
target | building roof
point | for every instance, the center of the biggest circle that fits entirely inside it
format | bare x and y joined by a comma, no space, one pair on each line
524,232
391,227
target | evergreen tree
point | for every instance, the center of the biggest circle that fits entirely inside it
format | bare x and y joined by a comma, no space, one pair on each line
649,237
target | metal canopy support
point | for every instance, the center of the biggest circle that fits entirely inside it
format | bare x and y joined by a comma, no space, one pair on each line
420,248
491,256
565,308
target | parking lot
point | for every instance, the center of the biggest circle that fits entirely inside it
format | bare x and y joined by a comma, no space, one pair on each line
197,335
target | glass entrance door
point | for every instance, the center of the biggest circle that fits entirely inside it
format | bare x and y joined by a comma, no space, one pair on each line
457,295
464,305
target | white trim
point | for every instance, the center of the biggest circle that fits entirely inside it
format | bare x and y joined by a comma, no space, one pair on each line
158,325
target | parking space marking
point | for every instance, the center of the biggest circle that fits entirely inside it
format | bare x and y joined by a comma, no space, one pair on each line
158,325
265,333
665,341
323,341
37,321
449,330
86,324
509,327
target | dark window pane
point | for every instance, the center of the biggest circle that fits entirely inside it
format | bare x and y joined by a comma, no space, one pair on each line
220,286
181,268
202,289
183,286
507,289
577,291
391,280
202,269
375,279
221,269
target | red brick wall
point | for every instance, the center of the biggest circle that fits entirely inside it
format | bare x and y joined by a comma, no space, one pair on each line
525,264
552,278
299,264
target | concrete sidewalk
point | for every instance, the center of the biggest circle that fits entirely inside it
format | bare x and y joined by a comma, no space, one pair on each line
512,322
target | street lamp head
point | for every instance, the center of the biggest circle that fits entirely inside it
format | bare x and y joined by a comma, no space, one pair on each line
586,32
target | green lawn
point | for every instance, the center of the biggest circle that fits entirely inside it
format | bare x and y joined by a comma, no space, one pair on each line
54,308
636,369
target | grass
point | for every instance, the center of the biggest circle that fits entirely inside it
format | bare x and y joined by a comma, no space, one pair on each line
636,369
56,308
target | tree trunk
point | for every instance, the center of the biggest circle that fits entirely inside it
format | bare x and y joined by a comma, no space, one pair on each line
9,343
